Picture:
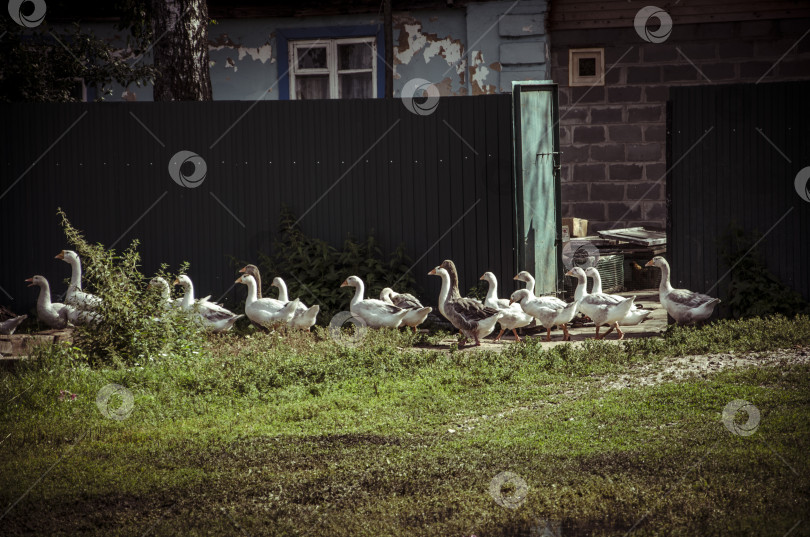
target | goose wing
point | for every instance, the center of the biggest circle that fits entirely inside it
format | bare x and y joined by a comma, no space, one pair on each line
405,301
687,298
372,306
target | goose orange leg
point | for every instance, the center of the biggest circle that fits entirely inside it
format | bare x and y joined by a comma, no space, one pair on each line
500,334
548,334
517,337
567,336
619,331
608,331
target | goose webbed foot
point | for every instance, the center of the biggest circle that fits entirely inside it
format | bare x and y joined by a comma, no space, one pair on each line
500,334
517,337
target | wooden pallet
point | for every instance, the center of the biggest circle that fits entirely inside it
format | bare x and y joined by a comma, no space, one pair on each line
22,344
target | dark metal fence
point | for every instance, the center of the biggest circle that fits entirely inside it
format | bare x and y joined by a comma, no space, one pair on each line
440,183
735,153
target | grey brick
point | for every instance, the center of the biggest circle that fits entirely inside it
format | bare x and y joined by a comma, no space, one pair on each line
589,134
655,210
656,94
588,211
565,135
795,69
659,52
736,49
755,69
563,93
645,191
571,154
621,54
623,211
644,75
614,76
644,152
606,115
607,153
590,173
637,114
626,94
655,133
625,133
574,192
654,172
607,192
572,115
560,76
698,51
718,71
773,49
673,73
588,94
713,31
625,172
565,173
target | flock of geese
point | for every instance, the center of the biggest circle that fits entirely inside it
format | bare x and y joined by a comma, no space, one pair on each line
473,318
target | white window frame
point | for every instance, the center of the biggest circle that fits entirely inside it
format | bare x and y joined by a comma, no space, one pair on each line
574,55
331,62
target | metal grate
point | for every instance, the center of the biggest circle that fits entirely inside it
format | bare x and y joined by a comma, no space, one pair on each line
611,269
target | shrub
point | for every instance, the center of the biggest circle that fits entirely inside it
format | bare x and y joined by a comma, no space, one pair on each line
134,323
314,270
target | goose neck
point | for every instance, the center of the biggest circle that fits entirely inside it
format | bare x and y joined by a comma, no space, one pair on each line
252,294
665,286
282,291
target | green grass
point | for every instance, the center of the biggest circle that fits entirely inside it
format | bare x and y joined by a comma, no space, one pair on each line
264,435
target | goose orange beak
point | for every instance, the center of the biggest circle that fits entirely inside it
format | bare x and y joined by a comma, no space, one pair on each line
60,255
517,277
482,277
345,283
243,269
30,280
570,273
649,263
432,272
176,281
238,280
511,301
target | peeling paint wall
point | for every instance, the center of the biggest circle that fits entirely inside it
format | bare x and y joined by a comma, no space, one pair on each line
479,49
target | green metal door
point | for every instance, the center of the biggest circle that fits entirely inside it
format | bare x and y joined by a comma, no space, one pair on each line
537,183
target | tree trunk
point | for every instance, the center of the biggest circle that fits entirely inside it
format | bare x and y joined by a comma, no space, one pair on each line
181,50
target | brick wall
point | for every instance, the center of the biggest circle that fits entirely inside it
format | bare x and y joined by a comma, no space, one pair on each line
613,137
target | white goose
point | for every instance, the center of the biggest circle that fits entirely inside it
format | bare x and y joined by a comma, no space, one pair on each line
212,316
304,317
266,312
375,313
417,313
470,316
546,315
165,292
601,308
514,316
56,314
550,302
75,296
634,316
8,326
685,306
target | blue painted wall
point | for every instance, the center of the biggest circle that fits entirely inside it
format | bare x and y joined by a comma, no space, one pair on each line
474,50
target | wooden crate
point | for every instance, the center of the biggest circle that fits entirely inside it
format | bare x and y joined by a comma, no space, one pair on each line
21,344
577,227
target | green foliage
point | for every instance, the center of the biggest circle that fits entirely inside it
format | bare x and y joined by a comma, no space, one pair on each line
754,291
42,64
314,270
135,324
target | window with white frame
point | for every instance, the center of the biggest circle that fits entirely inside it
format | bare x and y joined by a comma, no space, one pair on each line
333,68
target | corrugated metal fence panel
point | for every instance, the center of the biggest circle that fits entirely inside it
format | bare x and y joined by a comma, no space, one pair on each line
345,167
735,152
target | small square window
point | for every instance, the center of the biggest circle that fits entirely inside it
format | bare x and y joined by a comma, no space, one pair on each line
586,67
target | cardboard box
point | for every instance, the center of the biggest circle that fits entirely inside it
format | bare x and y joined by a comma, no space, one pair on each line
577,227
